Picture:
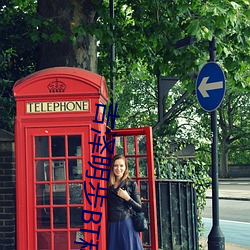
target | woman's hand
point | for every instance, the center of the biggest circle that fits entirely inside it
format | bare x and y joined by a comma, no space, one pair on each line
123,194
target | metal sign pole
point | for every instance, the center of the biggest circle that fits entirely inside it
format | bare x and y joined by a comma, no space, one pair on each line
216,240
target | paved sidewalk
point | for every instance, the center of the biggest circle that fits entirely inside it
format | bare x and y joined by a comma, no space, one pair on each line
228,246
230,194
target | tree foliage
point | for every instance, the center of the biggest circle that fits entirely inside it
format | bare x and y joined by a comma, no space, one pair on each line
234,117
145,34
154,27
17,53
148,31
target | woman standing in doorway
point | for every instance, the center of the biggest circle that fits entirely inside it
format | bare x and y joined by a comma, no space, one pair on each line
123,194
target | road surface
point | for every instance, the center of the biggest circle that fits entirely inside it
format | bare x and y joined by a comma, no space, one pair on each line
234,212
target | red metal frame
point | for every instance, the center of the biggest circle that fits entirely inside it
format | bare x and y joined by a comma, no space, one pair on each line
135,132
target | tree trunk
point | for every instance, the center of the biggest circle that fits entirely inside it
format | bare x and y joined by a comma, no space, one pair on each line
223,166
75,49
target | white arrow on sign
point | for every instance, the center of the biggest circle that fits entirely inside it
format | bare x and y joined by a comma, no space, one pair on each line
204,86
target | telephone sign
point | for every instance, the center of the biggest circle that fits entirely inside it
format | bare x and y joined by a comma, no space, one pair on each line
210,86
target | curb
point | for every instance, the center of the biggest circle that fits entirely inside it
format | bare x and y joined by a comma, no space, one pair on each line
230,198
243,179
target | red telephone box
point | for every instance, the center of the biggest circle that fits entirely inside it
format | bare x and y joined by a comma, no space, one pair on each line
54,125
55,113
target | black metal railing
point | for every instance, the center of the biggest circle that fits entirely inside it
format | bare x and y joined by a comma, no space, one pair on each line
177,220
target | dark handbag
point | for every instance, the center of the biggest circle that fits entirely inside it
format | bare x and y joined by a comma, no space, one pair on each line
139,221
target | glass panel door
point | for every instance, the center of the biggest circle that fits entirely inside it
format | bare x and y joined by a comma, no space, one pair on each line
136,145
58,163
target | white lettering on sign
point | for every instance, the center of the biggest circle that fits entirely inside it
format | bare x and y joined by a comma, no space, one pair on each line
49,107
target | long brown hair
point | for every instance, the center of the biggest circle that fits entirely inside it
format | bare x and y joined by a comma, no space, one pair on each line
112,175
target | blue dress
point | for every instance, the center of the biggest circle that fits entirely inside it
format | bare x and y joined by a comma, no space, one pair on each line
122,236
121,231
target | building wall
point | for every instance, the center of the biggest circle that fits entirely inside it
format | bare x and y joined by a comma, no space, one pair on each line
7,192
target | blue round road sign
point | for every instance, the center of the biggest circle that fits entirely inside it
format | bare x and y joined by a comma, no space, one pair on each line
210,86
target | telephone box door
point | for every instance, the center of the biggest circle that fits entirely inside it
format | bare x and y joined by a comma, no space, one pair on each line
58,158
137,146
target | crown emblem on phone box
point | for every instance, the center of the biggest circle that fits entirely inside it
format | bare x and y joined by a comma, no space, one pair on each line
56,86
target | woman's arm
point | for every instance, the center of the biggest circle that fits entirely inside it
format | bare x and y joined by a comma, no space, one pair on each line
133,200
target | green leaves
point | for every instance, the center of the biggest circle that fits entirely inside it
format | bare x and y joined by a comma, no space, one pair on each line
235,5
57,36
194,28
